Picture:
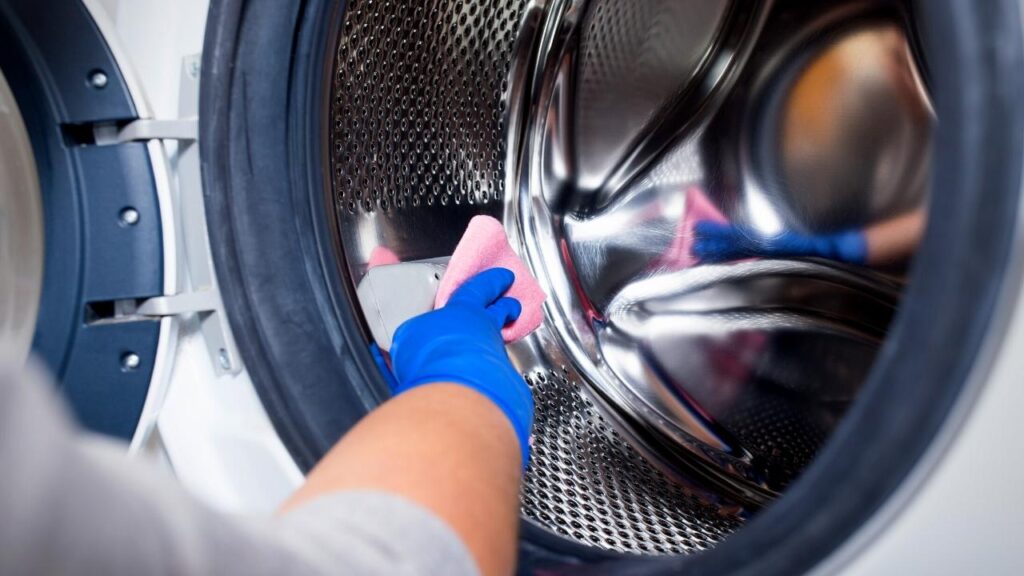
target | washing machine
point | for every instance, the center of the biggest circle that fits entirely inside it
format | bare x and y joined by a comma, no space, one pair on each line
192,192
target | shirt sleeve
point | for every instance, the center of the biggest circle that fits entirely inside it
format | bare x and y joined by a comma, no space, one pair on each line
72,504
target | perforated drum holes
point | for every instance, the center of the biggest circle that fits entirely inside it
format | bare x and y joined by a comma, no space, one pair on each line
586,483
419,96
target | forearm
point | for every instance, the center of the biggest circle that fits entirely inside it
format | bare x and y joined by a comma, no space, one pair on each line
895,240
445,447
70,505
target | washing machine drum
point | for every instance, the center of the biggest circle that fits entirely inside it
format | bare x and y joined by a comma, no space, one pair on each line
733,413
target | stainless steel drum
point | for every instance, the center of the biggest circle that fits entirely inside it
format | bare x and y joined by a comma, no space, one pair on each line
673,400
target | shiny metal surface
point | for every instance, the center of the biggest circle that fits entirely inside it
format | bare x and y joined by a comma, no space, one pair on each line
21,233
633,58
726,355
851,131
587,483
685,352
672,400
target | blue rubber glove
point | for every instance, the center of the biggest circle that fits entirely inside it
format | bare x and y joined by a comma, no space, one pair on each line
719,242
389,376
461,343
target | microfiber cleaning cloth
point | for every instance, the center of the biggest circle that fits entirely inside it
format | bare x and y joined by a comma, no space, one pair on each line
483,246
698,207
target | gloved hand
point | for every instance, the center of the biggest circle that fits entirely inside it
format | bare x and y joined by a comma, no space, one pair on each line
720,242
461,343
382,365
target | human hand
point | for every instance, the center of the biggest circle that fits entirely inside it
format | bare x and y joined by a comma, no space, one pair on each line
461,343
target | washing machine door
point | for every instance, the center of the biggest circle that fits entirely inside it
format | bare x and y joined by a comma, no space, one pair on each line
21,247
84,239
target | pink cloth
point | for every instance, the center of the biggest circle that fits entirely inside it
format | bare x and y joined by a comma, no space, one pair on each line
698,207
483,246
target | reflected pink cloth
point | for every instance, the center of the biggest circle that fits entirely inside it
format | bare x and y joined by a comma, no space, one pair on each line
483,246
698,207
382,256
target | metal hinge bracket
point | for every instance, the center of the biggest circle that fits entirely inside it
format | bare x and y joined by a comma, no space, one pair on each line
180,304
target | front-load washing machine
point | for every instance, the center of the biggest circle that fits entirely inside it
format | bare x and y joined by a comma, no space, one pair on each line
192,192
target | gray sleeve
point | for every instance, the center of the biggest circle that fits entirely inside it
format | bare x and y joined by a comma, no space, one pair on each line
71,505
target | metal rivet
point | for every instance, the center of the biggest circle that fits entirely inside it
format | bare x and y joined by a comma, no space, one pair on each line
130,361
224,359
129,216
98,79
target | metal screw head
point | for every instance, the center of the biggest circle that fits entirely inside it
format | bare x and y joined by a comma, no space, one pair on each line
223,359
130,361
98,79
129,216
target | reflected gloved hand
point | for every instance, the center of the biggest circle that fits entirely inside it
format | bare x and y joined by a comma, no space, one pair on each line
461,343
720,242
